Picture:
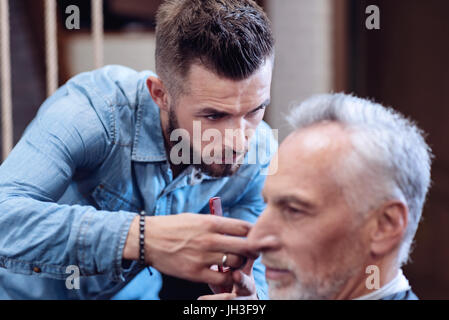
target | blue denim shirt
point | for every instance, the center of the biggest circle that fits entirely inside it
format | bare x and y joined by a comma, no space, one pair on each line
91,159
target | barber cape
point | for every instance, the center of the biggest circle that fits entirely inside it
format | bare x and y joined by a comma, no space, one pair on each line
396,289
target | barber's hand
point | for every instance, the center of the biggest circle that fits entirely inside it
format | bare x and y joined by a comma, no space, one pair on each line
244,286
187,245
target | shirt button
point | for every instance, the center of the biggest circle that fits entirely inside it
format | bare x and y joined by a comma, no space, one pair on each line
37,269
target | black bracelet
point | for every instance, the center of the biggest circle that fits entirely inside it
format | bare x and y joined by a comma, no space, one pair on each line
142,237
142,240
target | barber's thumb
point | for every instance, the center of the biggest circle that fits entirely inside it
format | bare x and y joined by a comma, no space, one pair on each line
244,285
248,267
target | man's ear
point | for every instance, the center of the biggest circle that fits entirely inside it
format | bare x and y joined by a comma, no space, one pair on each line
389,228
158,92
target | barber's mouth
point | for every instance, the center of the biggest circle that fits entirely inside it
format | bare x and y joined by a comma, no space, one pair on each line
276,274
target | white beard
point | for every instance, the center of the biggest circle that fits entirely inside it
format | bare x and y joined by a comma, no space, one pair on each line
308,286
300,291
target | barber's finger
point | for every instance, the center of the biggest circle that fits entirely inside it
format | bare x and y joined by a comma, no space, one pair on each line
230,226
232,260
223,279
219,296
236,245
267,242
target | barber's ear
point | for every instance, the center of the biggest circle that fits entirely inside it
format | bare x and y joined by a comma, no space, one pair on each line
158,92
390,225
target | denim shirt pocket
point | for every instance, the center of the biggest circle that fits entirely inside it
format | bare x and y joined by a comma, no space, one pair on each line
108,199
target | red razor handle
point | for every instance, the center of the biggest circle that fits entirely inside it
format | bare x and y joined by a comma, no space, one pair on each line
215,209
215,206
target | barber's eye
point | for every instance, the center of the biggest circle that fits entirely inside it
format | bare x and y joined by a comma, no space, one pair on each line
214,117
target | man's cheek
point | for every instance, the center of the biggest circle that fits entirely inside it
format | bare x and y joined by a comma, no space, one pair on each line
305,255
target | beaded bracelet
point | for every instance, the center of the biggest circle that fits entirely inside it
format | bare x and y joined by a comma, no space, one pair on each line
142,240
142,237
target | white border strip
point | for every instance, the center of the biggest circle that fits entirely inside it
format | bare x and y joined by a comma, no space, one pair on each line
51,46
7,123
97,32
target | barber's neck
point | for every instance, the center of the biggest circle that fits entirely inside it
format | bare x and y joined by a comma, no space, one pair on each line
357,285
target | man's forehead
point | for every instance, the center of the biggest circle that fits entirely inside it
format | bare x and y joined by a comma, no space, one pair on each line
204,82
306,161
323,141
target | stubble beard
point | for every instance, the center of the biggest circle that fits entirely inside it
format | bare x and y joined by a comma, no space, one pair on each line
214,169
310,286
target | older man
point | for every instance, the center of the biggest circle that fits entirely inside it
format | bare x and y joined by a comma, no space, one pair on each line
344,204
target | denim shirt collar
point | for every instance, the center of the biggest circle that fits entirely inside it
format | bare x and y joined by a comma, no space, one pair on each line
148,143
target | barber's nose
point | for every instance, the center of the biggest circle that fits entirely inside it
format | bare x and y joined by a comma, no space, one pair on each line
236,138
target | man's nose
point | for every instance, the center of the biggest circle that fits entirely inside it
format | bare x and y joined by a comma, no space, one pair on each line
264,234
235,138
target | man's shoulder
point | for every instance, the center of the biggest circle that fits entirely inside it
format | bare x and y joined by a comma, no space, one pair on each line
114,84
104,99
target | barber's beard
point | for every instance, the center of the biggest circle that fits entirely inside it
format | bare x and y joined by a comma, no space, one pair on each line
214,169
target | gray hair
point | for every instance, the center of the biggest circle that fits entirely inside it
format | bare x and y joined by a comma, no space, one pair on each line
389,150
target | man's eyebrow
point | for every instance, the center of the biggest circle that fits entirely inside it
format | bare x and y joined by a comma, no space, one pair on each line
262,105
294,199
210,110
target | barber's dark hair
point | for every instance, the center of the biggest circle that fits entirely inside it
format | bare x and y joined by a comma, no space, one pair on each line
232,38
